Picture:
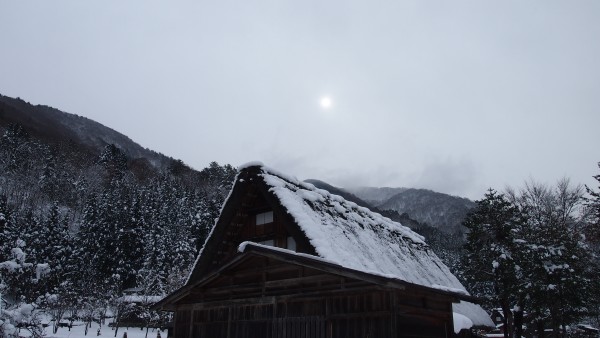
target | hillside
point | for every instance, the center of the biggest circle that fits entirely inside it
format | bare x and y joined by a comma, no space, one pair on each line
100,211
441,211
341,192
375,195
53,126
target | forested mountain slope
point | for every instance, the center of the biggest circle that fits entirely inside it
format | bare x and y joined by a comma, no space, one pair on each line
441,211
93,211
52,126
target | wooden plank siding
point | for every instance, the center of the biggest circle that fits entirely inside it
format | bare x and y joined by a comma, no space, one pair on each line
346,314
340,316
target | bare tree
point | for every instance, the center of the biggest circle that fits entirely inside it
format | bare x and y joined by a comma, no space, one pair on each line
558,278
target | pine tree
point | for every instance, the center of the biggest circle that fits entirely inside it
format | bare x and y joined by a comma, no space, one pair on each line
491,263
592,230
7,230
114,162
592,235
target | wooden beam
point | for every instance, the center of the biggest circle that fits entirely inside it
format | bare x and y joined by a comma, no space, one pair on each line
299,280
259,270
360,314
281,295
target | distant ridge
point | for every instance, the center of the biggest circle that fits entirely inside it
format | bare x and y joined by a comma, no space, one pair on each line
338,191
425,207
54,126
375,195
442,211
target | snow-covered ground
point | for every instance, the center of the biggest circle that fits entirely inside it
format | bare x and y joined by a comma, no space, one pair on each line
78,331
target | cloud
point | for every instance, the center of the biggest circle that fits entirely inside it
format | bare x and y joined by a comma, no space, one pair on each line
452,176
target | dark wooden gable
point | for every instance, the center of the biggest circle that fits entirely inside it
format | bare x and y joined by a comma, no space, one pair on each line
237,223
268,293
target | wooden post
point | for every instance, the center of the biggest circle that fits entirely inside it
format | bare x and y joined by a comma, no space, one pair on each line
274,318
229,322
191,329
328,323
393,322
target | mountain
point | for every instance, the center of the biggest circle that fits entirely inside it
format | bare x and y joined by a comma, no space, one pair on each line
341,192
102,213
443,234
439,210
374,195
54,126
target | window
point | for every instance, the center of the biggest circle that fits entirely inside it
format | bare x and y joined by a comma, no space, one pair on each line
268,242
291,243
264,218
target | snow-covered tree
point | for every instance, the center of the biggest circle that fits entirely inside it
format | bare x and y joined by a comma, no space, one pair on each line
592,230
592,235
558,271
491,261
18,277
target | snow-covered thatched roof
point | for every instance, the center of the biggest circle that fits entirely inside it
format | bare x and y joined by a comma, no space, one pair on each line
356,238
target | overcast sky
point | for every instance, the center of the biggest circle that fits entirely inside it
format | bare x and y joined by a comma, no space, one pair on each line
455,96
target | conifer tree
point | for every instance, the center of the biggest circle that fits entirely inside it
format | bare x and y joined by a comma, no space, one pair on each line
7,231
592,230
491,253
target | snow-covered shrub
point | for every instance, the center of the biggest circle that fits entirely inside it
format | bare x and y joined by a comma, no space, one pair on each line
23,316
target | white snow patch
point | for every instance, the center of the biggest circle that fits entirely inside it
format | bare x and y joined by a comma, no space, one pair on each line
242,248
474,312
454,290
18,254
41,270
461,322
250,164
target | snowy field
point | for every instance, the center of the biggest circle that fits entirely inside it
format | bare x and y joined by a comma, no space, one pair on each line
78,331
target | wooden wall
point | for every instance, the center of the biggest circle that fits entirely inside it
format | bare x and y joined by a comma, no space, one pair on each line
376,313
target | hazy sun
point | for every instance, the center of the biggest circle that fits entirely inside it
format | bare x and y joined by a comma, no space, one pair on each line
326,102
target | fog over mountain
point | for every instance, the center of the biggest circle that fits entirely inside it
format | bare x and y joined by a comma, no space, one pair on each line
438,210
375,195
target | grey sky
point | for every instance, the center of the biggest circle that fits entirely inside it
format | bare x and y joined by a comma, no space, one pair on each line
455,96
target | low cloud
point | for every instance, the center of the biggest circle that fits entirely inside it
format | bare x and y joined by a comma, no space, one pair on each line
459,177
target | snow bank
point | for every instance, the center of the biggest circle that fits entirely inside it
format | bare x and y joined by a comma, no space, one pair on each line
461,322
474,312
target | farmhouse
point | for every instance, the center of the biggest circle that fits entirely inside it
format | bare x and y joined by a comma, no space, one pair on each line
286,259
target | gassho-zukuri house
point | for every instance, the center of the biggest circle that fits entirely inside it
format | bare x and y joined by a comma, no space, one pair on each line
286,259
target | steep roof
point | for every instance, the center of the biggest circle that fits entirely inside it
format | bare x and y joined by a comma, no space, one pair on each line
355,237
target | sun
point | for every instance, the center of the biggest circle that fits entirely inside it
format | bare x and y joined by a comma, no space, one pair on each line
326,102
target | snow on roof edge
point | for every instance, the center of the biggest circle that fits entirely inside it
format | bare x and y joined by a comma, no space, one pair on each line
250,164
243,247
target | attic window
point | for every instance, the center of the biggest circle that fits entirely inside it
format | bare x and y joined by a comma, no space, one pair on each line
264,218
269,242
291,243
